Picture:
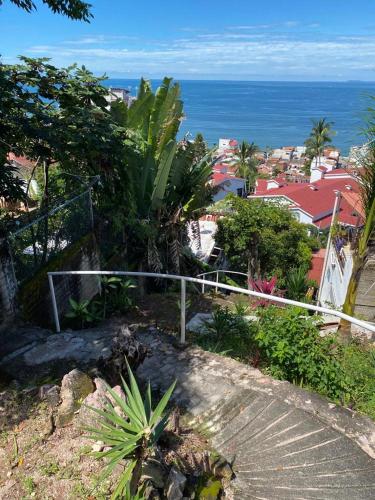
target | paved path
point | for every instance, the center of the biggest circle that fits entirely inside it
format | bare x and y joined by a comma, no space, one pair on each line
285,443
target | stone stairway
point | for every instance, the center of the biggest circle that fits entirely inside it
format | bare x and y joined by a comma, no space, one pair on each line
284,442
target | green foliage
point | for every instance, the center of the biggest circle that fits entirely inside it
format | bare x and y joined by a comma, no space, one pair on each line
263,239
132,436
320,136
246,163
169,180
297,284
74,9
358,363
10,185
228,333
286,344
80,312
293,350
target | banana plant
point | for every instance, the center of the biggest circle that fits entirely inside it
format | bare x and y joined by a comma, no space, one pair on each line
170,186
131,437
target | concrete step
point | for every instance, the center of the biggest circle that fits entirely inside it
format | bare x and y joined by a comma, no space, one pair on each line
279,451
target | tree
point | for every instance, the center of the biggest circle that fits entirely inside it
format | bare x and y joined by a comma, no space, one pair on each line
74,9
200,147
263,239
60,118
320,136
367,235
246,163
170,186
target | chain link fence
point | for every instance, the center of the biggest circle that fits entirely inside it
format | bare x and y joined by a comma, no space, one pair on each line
38,241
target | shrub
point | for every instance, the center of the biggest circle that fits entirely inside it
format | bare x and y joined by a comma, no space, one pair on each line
229,333
131,437
297,284
294,351
358,363
80,313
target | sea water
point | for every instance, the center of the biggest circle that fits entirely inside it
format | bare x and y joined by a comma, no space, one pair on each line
271,114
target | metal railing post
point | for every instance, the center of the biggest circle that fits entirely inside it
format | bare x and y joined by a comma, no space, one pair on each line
203,287
183,311
54,304
217,281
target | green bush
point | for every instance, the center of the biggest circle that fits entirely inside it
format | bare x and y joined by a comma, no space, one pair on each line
293,350
286,343
358,363
229,333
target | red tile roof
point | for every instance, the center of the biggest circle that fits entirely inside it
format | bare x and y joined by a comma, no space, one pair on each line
337,171
21,160
318,202
317,261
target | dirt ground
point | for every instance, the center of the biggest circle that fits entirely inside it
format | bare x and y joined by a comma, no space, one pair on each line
38,461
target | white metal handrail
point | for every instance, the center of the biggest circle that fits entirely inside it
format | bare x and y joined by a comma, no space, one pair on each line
184,279
217,271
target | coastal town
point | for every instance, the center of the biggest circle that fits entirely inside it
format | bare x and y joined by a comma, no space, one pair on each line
185,312
285,176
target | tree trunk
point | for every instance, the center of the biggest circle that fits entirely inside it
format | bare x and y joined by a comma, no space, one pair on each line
45,206
351,295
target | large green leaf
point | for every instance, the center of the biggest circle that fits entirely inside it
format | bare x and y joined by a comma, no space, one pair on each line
162,175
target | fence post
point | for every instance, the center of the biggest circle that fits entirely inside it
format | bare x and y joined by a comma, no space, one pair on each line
203,285
54,304
183,311
217,281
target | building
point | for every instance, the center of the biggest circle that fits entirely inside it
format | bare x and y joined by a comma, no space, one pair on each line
228,183
121,94
23,168
313,203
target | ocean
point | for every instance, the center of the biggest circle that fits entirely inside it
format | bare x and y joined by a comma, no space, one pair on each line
271,114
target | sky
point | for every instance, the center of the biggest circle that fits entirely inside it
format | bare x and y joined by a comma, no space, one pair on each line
295,40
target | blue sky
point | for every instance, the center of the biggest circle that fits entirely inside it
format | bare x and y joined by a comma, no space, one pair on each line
203,39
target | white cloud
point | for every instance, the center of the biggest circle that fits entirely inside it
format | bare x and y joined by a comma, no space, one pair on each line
227,54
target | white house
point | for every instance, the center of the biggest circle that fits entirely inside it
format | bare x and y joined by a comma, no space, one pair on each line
228,184
334,283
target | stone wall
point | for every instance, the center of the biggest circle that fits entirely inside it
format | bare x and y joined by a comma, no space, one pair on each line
365,301
33,299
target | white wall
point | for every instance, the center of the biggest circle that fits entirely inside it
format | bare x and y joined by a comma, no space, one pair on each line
229,186
301,216
335,281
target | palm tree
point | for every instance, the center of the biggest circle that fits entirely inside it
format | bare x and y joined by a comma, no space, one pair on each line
246,163
321,135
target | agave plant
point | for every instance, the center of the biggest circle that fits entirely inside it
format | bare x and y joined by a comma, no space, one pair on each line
131,437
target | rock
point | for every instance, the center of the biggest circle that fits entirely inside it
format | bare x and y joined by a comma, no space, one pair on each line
223,470
98,446
155,472
75,386
98,399
50,393
88,417
48,427
175,485
124,347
